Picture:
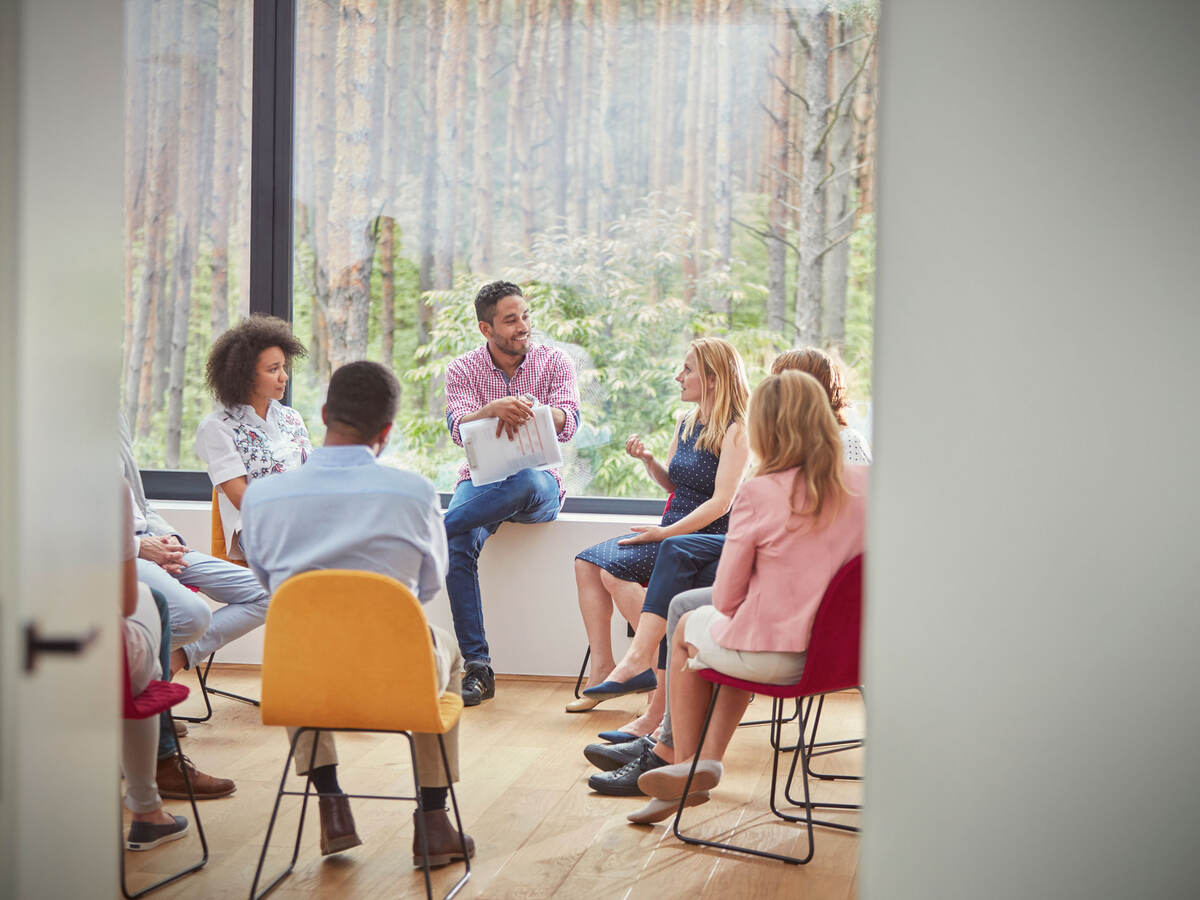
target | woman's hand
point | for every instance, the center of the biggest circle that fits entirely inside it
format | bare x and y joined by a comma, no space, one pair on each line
646,534
635,448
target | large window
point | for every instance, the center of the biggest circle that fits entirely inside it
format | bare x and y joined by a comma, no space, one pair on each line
650,171
187,183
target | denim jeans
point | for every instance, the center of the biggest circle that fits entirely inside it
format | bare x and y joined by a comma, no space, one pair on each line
683,562
475,513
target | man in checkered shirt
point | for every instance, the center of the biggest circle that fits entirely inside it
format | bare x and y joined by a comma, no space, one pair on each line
503,379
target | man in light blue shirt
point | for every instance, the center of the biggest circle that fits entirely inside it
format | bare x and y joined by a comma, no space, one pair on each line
343,510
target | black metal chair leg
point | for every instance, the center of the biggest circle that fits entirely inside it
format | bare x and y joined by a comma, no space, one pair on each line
199,830
462,836
587,655
205,690
262,857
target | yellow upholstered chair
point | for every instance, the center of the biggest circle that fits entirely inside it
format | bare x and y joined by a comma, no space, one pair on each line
217,551
352,651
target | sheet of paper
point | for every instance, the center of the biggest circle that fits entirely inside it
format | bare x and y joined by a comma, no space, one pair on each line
492,459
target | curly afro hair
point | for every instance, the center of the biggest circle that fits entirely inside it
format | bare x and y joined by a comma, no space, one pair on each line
491,294
234,356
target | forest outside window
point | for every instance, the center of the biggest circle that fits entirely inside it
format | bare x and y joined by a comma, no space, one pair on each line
649,171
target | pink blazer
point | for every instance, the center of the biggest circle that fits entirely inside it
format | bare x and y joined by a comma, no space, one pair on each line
770,580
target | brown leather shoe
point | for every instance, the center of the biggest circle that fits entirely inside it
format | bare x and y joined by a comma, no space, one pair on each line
444,844
204,787
337,825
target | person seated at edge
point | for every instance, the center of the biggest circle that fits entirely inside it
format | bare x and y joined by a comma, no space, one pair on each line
793,526
151,825
253,434
501,380
705,463
373,519
166,564
681,581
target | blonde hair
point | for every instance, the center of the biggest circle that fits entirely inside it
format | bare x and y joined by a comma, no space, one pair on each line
792,427
822,366
718,359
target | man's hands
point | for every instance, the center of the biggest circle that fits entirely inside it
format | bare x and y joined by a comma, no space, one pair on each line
165,551
513,412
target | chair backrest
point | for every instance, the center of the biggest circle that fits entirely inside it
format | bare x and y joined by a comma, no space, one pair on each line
217,534
348,649
833,649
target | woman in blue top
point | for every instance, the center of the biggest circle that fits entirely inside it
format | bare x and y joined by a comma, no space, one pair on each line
705,464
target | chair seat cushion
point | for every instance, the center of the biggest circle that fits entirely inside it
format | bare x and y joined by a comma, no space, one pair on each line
158,697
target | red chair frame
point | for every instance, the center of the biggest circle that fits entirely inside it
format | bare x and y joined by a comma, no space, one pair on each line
832,664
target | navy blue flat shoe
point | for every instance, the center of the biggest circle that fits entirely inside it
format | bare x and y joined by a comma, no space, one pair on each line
618,737
638,684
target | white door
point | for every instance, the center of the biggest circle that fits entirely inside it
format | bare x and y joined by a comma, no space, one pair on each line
60,306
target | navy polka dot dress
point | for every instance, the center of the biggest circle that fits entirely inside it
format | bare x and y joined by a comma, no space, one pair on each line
694,474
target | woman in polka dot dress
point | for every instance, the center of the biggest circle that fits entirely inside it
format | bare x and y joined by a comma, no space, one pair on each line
705,465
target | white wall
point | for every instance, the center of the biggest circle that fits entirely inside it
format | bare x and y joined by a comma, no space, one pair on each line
526,577
61,116
1033,575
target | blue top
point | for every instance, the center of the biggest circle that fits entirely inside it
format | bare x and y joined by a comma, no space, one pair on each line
343,510
694,473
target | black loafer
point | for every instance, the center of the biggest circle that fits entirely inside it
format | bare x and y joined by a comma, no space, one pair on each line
622,782
479,683
608,757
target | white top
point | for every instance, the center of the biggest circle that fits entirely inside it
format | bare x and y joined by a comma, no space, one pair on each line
855,449
235,442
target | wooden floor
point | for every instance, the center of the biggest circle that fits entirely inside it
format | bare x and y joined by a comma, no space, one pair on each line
540,831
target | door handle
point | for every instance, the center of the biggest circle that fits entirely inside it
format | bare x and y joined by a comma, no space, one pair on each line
35,644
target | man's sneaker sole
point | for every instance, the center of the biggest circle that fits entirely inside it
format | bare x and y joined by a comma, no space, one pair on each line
156,834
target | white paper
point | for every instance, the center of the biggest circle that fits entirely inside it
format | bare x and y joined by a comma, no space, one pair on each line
492,459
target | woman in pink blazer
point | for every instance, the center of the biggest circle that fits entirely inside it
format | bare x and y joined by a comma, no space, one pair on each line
793,525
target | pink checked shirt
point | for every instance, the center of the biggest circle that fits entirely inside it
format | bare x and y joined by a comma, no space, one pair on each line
474,380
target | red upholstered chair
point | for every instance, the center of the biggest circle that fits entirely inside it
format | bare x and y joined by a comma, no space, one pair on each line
155,699
831,665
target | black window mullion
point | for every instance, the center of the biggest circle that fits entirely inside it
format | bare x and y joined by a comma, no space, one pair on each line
272,90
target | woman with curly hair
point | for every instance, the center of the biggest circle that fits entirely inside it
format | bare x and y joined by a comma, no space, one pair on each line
252,434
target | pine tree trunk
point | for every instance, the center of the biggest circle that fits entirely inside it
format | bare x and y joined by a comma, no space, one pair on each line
560,169
137,37
428,230
812,193
662,108
611,10
351,245
586,114
318,162
483,179
450,73
777,180
387,278
229,75
691,143
723,162
839,203
707,138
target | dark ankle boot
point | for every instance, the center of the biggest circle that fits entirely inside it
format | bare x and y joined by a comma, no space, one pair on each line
444,844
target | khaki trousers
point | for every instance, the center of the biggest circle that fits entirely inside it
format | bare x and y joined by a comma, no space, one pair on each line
449,664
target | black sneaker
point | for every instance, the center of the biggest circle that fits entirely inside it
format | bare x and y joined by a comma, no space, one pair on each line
148,835
623,782
479,683
607,757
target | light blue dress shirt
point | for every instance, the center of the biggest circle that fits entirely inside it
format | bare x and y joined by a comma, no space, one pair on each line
343,510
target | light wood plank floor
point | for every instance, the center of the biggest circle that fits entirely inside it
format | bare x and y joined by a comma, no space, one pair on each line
540,832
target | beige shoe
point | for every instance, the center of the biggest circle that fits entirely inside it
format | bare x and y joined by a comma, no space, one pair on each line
583,704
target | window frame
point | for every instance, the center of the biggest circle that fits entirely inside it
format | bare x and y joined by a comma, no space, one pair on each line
272,91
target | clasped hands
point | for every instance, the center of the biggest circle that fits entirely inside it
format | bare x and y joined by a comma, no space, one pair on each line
165,551
513,412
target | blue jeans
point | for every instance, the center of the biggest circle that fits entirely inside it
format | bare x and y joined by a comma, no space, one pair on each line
475,513
684,562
